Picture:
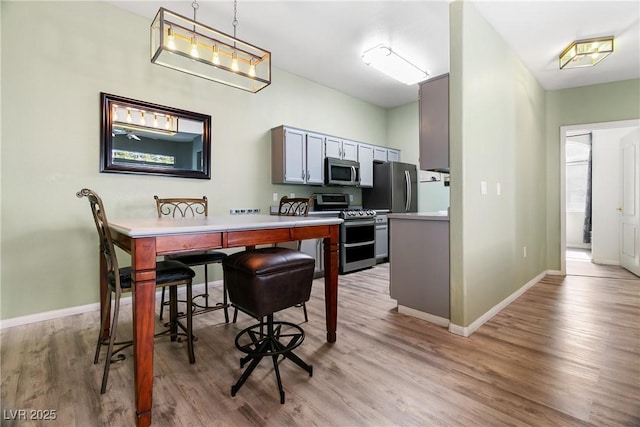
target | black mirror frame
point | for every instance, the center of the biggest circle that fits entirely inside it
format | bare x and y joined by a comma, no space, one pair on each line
106,142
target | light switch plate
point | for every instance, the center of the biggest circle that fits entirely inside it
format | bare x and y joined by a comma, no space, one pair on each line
483,187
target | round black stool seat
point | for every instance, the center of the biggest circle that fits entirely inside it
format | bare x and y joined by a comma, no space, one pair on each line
262,282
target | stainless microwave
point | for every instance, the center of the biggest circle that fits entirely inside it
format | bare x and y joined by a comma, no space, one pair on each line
341,172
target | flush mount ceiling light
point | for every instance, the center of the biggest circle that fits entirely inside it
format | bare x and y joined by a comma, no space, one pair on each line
185,45
386,60
586,53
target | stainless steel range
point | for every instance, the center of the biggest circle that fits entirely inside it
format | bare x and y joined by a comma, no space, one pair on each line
357,233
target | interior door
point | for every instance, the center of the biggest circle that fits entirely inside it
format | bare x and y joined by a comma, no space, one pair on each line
630,210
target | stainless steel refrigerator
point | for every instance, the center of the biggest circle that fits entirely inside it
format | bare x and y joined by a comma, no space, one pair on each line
395,187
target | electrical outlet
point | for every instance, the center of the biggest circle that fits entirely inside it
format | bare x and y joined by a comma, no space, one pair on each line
350,197
233,211
498,189
292,195
275,197
483,187
243,211
524,252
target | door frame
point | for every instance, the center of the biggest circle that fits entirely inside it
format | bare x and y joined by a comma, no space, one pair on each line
587,127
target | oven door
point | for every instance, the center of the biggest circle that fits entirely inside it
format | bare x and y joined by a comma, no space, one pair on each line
357,244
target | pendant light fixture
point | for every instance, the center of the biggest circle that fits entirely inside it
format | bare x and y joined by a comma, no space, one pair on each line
185,45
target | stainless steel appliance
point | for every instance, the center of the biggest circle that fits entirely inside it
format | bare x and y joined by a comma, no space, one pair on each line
395,187
341,172
357,234
357,240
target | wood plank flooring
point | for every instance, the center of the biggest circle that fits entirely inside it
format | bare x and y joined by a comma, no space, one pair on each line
566,353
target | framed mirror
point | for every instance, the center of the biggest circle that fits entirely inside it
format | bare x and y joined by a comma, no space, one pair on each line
142,138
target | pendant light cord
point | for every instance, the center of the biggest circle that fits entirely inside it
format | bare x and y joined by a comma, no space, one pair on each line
235,17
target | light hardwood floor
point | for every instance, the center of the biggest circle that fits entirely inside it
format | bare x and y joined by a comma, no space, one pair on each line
566,353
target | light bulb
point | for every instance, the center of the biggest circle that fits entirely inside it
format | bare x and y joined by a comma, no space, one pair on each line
142,120
234,62
252,69
129,119
167,122
155,120
216,56
194,47
115,112
171,42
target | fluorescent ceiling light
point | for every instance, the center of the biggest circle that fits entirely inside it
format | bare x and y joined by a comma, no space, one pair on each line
386,60
586,53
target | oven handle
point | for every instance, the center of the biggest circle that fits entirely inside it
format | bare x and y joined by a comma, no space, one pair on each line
350,223
355,245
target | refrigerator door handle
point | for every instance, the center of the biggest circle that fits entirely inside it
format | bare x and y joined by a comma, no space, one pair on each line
407,179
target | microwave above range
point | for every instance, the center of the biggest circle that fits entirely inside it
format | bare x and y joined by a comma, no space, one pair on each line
341,172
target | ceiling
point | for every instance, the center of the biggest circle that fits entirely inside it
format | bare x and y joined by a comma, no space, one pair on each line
323,41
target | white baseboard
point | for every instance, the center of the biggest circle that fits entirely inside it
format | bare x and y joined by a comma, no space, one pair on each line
87,308
440,321
466,331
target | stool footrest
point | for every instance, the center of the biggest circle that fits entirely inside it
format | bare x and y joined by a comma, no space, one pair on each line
264,340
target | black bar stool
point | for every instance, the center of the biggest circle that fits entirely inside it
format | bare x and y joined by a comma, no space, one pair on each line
262,282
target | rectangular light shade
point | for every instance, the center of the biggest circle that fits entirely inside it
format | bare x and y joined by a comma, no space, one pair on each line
182,44
386,60
586,53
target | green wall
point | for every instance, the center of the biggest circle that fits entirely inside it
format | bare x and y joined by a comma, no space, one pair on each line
50,141
589,104
497,136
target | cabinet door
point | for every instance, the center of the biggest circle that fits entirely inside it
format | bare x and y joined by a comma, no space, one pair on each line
350,150
333,147
380,153
393,155
294,156
434,123
365,157
315,159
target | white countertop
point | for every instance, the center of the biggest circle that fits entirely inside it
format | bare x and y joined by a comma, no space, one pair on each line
140,227
421,216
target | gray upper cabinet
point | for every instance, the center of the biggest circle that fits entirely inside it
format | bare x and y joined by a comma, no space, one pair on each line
393,155
340,148
296,157
434,124
365,158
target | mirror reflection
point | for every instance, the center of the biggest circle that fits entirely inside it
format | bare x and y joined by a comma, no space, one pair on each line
140,137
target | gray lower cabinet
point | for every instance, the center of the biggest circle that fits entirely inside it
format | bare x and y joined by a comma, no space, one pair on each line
315,248
419,265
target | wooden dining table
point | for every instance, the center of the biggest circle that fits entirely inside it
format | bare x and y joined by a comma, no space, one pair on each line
147,238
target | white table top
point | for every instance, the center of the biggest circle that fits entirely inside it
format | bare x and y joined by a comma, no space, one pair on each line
143,227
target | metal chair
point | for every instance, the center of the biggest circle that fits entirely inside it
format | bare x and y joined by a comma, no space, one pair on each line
168,274
291,206
183,207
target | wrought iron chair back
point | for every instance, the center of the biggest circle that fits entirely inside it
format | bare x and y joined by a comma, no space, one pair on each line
182,207
187,207
296,206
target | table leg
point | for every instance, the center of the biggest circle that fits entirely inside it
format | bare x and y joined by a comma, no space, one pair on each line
331,262
143,263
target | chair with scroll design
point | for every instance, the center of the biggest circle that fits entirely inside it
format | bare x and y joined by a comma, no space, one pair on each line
292,206
168,274
184,207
